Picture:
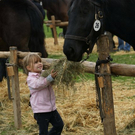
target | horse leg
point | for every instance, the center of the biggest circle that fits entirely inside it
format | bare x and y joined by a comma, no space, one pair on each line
2,68
3,47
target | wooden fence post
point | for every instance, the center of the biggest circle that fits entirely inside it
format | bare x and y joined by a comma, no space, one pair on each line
106,91
54,30
15,88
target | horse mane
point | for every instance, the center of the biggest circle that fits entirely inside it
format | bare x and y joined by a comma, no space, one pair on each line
71,3
78,1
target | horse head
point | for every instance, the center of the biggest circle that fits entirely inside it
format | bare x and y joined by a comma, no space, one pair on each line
85,26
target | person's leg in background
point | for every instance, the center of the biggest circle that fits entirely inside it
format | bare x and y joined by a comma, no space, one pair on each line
127,47
121,44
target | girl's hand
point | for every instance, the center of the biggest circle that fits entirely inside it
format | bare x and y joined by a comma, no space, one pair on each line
53,74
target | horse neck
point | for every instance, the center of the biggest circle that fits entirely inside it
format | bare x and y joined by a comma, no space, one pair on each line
116,18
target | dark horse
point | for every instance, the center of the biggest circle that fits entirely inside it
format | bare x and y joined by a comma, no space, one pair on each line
88,19
21,25
39,6
58,8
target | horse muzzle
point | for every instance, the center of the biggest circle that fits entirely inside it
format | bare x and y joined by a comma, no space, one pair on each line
71,53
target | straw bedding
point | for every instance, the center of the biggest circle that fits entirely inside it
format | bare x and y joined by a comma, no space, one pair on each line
67,72
77,108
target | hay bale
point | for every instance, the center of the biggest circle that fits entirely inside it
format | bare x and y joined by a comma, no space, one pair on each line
68,71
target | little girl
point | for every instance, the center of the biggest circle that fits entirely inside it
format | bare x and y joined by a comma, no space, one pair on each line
42,98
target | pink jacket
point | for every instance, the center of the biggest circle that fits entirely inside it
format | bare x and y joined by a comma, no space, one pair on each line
42,95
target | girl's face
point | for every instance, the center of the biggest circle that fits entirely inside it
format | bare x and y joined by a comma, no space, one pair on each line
36,67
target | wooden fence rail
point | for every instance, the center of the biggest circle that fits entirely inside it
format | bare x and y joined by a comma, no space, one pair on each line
116,68
6,54
109,68
53,24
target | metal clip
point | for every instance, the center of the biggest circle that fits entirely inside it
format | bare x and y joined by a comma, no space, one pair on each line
95,16
100,14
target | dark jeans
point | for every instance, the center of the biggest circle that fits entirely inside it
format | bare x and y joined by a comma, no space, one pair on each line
43,120
121,46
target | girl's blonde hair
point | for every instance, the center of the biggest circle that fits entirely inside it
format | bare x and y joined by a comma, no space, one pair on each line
29,60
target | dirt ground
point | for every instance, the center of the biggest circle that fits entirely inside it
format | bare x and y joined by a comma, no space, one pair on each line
77,106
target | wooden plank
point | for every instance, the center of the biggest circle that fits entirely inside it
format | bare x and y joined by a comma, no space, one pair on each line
23,54
50,21
15,88
51,26
10,71
106,91
100,82
6,54
123,69
62,24
57,24
54,30
116,69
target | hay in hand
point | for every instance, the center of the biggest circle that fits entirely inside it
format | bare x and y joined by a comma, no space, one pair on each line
67,72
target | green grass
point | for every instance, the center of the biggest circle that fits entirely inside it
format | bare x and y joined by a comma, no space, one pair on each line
55,56
122,59
47,30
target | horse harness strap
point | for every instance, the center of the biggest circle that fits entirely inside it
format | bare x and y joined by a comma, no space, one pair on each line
99,16
98,93
76,38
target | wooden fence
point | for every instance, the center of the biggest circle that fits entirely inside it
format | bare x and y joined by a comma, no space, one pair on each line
53,24
106,69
